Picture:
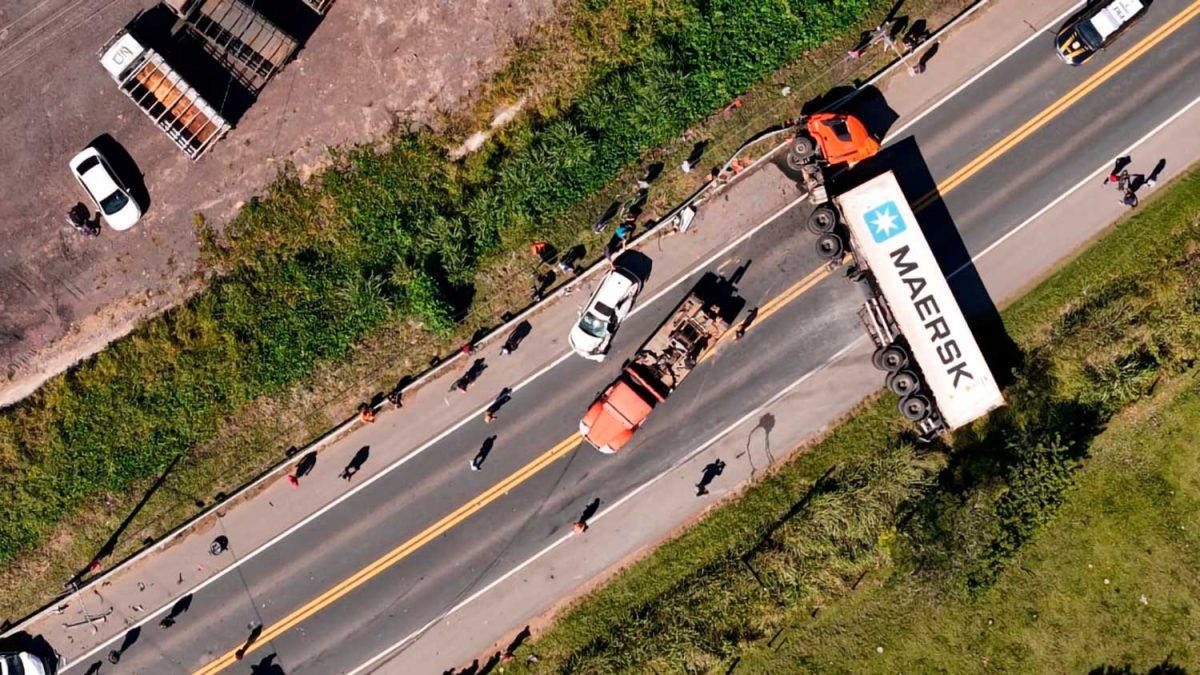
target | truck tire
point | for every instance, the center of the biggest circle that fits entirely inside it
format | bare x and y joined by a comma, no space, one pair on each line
892,358
800,154
914,408
830,246
822,220
803,147
903,382
877,358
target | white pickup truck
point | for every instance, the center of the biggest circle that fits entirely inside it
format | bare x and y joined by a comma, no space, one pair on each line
162,93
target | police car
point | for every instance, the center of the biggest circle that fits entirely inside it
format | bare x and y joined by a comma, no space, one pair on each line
1095,28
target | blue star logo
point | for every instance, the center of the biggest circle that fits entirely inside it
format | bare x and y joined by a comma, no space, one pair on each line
885,221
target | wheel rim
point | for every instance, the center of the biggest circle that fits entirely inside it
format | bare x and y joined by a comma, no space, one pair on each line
829,246
902,383
893,359
822,220
914,408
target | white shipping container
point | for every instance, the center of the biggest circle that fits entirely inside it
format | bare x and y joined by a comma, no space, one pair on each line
886,236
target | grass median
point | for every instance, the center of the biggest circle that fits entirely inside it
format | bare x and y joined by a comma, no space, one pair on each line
1054,535
328,290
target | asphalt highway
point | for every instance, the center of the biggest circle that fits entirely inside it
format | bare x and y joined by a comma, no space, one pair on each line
1022,146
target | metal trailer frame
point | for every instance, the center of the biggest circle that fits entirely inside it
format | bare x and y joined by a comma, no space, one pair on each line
876,318
318,6
253,48
174,122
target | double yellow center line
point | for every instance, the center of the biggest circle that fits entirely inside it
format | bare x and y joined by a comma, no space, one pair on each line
397,554
1055,109
565,446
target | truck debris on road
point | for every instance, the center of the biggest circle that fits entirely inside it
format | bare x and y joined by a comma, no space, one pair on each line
162,94
661,363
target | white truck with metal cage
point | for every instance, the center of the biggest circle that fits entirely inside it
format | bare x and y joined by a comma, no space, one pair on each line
922,339
162,93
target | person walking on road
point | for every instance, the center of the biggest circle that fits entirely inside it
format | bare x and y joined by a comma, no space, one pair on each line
489,415
513,341
484,451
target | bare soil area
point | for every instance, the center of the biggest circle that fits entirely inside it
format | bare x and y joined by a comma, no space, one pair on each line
368,66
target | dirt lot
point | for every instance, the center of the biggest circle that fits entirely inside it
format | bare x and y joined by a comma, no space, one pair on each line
366,65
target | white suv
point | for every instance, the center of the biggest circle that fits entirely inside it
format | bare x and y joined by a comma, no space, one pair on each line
598,321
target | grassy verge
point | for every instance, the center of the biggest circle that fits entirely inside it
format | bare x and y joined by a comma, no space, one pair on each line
934,534
1109,584
327,291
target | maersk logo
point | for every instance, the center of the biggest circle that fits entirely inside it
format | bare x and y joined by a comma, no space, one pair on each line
885,222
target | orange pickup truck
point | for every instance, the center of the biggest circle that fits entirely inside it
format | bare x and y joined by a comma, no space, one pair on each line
646,380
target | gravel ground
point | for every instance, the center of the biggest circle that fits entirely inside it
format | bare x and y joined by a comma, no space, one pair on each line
366,66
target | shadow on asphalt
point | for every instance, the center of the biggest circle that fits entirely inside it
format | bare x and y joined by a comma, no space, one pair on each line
126,169
719,291
637,263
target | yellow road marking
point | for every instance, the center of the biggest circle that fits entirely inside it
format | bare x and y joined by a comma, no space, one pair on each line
473,506
477,503
775,304
399,553
1055,109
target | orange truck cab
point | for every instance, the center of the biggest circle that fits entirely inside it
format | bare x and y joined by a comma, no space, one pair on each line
842,139
618,412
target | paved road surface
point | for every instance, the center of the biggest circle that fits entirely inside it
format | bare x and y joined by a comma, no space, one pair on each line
743,380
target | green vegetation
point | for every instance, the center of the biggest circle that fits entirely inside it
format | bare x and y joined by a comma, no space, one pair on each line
395,240
1110,583
931,536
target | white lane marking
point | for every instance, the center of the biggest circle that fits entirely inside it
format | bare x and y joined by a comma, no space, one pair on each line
1087,179
786,390
436,439
681,462
893,134
541,372
557,294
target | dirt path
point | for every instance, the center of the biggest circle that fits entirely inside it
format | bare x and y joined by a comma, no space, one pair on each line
368,64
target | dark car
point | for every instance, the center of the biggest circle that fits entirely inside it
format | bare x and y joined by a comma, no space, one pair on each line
1095,28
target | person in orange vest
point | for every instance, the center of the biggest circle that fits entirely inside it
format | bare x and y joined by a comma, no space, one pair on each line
366,414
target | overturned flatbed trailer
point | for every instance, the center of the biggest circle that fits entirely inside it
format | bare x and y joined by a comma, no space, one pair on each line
162,94
244,41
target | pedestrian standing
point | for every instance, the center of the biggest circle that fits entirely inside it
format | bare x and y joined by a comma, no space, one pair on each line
396,398
489,416
484,450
